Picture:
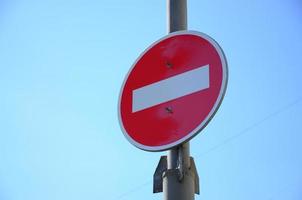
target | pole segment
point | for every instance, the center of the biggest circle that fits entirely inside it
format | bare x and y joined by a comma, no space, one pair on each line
178,180
176,21
176,15
176,175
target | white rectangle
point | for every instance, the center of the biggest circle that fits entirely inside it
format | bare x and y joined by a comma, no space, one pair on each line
171,88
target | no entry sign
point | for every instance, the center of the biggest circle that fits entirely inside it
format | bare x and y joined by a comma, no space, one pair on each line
172,90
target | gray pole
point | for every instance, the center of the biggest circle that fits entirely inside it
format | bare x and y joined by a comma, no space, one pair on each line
176,175
177,15
178,180
176,21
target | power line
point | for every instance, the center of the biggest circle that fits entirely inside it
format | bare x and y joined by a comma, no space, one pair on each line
226,141
134,189
252,126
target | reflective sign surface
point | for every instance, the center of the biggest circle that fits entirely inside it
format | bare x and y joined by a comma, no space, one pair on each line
172,90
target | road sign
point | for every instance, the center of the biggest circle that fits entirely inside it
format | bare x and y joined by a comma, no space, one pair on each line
172,90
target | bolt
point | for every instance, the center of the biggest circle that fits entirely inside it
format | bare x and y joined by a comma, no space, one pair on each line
168,64
169,110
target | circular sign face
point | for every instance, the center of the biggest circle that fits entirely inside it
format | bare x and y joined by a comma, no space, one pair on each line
172,90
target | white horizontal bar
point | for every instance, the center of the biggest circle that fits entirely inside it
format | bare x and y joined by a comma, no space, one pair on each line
171,88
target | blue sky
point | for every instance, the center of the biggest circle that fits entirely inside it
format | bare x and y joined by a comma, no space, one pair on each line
62,64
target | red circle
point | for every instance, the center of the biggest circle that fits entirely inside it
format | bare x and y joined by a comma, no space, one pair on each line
167,124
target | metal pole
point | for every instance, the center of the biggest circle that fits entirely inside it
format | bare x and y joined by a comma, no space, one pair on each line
177,15
176,175
178,180
176,21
